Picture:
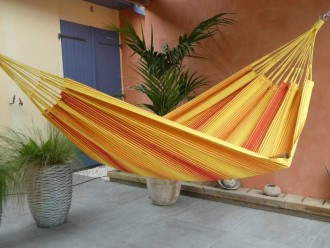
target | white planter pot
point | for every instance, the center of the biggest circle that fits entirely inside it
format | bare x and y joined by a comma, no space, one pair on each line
163,192
49,195
272,190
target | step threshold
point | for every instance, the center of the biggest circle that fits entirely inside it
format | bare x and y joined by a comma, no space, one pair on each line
307,207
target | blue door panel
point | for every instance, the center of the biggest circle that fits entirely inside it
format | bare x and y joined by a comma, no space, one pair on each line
107,61
91,56
78,64
77,53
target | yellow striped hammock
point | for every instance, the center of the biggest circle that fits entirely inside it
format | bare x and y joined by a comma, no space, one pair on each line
246,125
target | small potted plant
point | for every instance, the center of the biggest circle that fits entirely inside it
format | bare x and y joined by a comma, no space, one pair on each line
8,181
44,163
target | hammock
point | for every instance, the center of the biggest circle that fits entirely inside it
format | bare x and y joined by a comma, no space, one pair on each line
247,125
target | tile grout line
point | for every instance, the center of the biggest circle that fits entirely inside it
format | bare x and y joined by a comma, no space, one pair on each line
316,236
214,242
233,228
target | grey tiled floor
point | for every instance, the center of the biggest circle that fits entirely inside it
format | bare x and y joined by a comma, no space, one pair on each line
105,214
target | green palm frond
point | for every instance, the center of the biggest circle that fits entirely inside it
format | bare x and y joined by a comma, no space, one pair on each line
167,91
165,81
159,61
204,30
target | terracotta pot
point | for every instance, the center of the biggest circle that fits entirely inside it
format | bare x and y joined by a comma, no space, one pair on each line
163,192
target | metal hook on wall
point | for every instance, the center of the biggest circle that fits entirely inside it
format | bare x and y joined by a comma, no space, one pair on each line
20,102
326,16
13,101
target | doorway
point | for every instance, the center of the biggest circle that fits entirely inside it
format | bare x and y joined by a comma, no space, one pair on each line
91,56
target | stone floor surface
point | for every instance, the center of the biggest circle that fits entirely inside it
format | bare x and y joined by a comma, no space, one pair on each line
106,214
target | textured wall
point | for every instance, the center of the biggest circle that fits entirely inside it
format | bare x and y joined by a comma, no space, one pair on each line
78,11
129,76
28,33
262,27
29,30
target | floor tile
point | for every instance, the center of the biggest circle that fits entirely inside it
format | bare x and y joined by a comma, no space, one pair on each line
178,208
281,229
323,238
231,239
215,214
174,233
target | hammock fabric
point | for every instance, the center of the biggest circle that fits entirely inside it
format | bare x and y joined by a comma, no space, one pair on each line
247,125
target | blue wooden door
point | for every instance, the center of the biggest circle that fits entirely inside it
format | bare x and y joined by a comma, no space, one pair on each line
107,61
91,56
77,53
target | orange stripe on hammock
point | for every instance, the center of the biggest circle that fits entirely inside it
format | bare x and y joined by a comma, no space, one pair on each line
259,132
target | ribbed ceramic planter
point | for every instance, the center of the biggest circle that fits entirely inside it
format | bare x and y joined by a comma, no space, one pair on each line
49,195
163,192
272,190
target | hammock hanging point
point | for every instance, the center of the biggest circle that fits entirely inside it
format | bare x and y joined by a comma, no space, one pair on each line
326,16
318,24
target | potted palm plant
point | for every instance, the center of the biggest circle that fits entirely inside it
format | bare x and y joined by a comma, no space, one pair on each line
167,82
8,180
44,163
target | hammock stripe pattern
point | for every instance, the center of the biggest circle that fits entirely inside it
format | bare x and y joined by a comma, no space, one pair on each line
247,125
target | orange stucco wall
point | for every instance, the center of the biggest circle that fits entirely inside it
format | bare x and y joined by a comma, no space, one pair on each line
129,76
262,26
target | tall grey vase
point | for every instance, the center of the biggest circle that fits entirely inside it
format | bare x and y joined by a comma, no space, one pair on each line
50,194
